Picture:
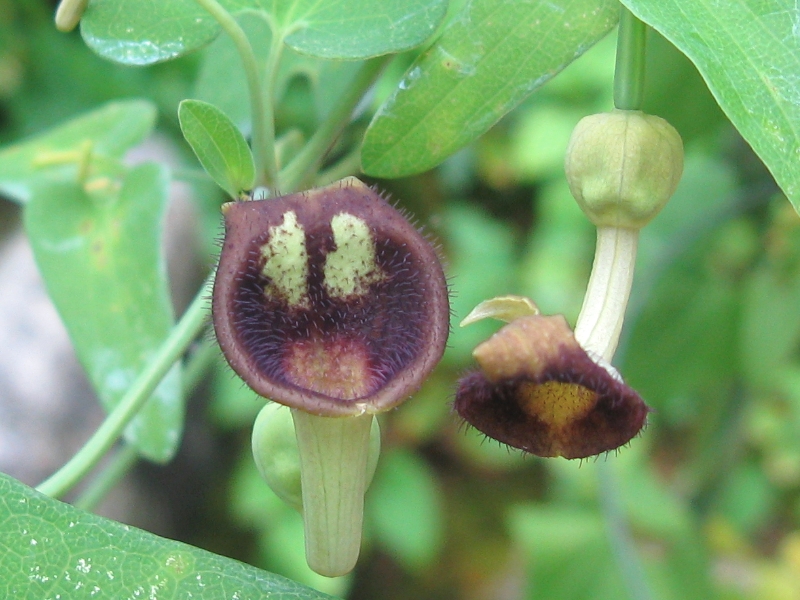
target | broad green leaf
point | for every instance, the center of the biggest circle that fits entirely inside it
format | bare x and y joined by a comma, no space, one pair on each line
352,29
99,253
748,51
107,132
219,145
489,58
139,33
53,550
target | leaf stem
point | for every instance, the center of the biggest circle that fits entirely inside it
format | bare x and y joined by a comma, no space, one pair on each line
261,112
270,81
309,158
184,332
629,69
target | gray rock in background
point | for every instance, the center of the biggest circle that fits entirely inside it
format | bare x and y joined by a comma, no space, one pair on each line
46,403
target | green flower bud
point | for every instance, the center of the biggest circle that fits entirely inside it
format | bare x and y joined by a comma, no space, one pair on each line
277,456
623,166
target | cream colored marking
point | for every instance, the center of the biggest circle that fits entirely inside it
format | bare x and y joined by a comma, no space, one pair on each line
351,268
286,262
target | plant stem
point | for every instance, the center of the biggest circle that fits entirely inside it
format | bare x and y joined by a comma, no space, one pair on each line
309,158
120,464
619,535
127,456
600,320
629,70
269,85
134,399
261,113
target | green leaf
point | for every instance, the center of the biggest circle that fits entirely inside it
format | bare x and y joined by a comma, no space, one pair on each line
489,58
99,253
53,550
134,32
219,145
140,33
352,29
748,51
108,132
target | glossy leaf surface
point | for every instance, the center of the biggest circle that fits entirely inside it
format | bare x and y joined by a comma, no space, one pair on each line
219,145
748,51
99,253
108,132
359,28
133,32
51,550
489,58
139,33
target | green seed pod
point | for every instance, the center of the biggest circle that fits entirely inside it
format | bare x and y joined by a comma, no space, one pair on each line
623,166
277,456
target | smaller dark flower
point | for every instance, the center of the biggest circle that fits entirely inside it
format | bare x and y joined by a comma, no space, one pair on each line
539,391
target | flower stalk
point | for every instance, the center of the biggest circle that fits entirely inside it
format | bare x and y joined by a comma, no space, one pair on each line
333,468
600,321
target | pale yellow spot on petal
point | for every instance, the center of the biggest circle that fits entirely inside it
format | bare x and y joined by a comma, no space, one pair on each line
286,262
351,268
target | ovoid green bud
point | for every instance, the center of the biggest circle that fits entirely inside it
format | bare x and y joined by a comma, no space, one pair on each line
623,166
277,456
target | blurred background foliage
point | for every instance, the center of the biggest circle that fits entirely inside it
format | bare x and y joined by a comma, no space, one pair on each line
704,504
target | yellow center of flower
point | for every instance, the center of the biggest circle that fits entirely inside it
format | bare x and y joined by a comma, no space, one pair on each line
557,403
